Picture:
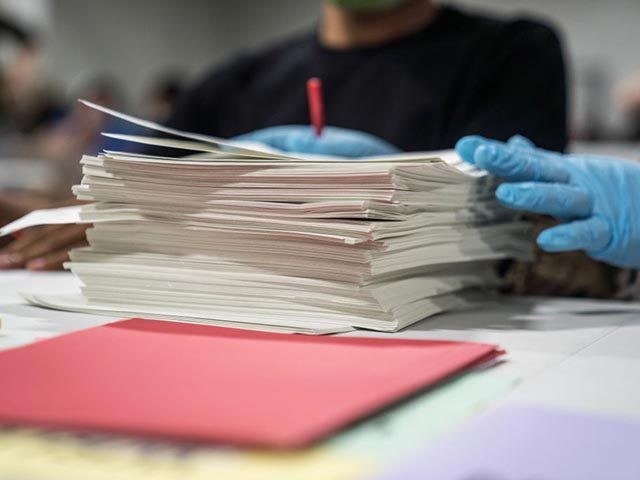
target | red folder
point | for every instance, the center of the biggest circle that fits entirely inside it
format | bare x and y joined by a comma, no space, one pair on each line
200,383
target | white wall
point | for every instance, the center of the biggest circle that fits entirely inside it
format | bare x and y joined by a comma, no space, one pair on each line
135,38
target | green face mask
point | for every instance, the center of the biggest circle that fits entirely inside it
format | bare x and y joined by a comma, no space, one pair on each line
367,5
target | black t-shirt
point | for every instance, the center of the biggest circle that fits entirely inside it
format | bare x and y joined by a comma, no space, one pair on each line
462,74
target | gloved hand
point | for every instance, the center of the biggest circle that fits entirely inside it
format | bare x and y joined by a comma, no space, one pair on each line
597,198
339,142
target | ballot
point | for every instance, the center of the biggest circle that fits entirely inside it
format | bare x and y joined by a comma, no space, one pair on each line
245,236
199,383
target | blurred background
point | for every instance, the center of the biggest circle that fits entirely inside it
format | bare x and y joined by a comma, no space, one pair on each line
138,56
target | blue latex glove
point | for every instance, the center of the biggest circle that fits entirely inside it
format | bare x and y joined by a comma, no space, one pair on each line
338,142
597,198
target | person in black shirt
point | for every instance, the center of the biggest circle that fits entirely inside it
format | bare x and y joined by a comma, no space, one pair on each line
416,75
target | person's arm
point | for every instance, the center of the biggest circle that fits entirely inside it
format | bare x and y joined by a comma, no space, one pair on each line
519,87
44,247
37,248
597,199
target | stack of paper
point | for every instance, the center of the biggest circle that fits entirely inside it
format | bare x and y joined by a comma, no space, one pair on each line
264,239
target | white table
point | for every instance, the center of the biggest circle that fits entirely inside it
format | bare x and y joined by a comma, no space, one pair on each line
584,361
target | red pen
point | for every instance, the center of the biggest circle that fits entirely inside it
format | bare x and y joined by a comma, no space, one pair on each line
316,104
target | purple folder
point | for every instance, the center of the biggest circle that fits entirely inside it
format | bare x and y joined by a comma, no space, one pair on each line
530,443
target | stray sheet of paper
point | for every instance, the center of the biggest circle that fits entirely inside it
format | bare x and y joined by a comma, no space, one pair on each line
51,216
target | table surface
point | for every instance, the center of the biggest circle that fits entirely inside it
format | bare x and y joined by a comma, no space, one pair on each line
578,354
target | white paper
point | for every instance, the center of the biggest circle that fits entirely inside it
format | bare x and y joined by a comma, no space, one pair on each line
227,145
77,303
50,216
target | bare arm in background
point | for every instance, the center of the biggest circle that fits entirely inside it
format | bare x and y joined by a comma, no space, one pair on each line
37,248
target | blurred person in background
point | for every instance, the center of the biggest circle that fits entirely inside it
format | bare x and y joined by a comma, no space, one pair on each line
627,96
414,74
27,102
79,131
28,106
163,95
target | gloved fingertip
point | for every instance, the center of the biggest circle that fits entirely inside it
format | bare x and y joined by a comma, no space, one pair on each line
467,146
507,194
485,155
519,141
551,241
